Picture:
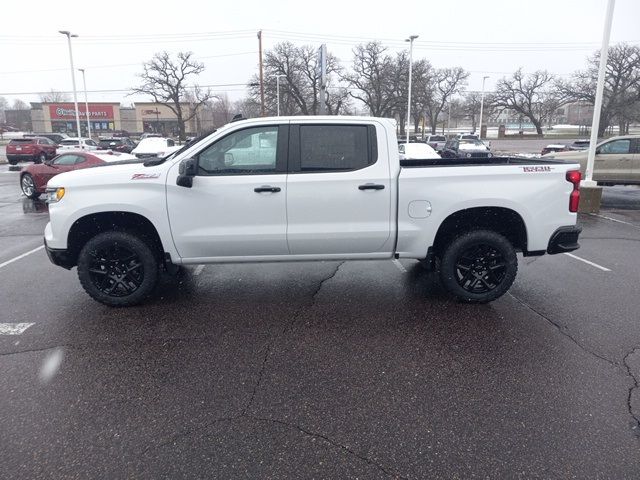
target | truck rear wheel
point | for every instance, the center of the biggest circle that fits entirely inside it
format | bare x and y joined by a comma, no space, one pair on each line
117,269
479,266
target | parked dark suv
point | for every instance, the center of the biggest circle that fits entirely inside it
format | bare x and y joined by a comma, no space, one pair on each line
462,148
37,150
117,144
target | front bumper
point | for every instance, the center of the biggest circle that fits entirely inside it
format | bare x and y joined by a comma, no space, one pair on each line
59,257
564,239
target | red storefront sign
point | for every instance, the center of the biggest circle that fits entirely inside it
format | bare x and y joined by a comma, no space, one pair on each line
66,111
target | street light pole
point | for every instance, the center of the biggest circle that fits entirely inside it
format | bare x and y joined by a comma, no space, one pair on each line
595,124
86,102
482,104
73,77
278,91
410,40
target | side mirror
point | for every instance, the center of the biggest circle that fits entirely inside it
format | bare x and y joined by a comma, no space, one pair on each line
598,152
186,171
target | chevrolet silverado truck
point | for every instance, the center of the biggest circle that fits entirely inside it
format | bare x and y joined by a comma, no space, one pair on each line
302,189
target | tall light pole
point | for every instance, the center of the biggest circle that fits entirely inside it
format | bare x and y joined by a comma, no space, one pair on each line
86,103
482,104
73,77
278,91
595,124
410,40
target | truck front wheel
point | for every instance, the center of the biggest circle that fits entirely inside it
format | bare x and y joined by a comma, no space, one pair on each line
479,266
117,269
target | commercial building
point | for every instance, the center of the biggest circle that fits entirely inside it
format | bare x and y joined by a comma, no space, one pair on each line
106,118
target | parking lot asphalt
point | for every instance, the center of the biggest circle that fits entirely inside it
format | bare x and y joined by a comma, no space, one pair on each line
324,370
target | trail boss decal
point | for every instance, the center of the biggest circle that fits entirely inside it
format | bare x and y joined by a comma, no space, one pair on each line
144,176
544,168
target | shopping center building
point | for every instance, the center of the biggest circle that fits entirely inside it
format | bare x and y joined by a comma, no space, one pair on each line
106,118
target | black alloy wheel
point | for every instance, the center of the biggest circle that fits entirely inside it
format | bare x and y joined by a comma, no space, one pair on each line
118,268
478,266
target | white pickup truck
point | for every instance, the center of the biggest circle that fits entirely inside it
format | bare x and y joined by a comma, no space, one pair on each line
308,188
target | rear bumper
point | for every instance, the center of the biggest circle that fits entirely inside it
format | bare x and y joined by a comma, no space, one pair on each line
564,239
59,257
21,156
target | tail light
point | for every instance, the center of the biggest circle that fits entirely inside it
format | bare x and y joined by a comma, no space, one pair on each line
574,177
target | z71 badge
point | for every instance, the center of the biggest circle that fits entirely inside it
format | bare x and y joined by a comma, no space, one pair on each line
144,176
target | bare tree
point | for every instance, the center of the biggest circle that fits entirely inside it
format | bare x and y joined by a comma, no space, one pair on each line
297,67
471,108
421,95
248,107
536,96
167,82
54,96
444,84
370,79
622,86
4,105
19,105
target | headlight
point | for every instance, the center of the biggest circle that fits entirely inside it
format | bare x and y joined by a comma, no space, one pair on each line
489,155
55,194
468,155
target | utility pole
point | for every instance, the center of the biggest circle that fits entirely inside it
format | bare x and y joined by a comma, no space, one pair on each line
410,40
261,73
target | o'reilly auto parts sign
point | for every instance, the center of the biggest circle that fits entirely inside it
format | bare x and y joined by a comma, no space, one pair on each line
66,111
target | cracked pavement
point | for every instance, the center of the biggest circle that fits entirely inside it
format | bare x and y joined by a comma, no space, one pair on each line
324,370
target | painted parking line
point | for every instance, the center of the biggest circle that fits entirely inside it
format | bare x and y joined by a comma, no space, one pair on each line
604,269
614,219
14,259
13,328
397,263
198,270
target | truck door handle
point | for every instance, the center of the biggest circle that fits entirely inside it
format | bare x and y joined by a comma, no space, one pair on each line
371,186
266,188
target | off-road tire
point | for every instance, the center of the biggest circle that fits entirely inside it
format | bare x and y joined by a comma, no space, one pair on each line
92,261
491,260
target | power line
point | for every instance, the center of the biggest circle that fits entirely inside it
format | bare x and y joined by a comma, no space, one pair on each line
124,90
120,64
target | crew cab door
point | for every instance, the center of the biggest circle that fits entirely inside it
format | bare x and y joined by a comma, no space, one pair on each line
237,204
613,161
338,190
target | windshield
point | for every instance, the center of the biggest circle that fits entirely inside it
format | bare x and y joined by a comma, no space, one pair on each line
69,142
477,143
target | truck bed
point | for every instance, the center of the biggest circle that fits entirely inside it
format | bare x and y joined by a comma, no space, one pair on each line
478,161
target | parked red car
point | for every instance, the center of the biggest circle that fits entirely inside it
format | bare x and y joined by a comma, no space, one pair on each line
34,178
37,150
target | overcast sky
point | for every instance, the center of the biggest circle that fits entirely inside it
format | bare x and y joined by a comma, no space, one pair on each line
485,37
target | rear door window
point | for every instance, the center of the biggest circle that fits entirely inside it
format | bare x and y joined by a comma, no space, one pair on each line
616,147
335,148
